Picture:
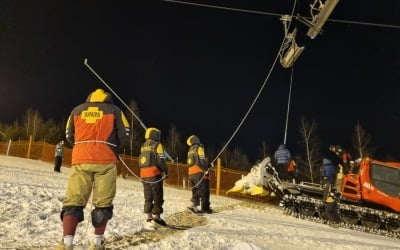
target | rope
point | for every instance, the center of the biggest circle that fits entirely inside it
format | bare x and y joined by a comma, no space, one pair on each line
251,106
142,180
87,141
256,97
85,62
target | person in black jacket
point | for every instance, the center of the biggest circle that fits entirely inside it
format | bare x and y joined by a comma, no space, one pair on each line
58,156
152,167
198,176
329,171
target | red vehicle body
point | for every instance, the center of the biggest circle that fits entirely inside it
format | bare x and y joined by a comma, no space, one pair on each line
374,182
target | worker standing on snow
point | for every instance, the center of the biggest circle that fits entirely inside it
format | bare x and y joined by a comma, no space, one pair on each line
152,166
282,157
330,166
98,129
292,171
58,156
198,176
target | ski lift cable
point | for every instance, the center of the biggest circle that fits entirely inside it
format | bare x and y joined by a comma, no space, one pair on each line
366,23
223,8
255,99
288,105
276,14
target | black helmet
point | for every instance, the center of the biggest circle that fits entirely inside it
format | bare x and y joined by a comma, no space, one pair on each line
193,139
153,133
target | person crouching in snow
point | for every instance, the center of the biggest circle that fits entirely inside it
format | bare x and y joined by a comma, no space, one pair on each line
152,166
198,176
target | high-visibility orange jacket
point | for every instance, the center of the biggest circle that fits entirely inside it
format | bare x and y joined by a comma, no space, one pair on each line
196,160
97,129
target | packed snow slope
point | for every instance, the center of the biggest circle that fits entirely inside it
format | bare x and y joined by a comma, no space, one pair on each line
31,197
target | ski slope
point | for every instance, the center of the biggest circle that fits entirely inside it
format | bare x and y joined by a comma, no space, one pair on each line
30,202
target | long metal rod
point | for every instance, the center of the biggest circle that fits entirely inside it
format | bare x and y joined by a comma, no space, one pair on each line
120,99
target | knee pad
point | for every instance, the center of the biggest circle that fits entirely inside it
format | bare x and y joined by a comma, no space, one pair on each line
101,215
76,211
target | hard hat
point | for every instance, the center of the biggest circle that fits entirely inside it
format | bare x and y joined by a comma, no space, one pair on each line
193,139
153,133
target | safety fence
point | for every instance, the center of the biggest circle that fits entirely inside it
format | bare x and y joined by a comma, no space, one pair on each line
221,178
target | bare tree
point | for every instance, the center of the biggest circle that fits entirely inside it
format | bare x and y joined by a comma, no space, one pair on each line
32,123
137,131
311,146
235,159
264,150
362,142
173,144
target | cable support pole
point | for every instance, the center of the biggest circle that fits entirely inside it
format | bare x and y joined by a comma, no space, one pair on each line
288,105
120,99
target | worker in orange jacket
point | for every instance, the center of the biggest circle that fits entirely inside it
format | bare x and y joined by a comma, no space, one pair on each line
152,167
198,176
98,130
292,170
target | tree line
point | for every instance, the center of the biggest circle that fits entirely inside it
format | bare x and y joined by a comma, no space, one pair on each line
308,158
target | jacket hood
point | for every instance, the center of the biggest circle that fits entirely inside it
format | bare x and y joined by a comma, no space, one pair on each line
282,146
99,95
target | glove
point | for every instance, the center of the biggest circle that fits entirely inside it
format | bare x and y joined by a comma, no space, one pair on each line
210,165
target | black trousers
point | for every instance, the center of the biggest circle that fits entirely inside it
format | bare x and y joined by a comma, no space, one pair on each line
57,163
331,212
153,195
200,193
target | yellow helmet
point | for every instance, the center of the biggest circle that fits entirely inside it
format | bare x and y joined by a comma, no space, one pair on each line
99,95
193,139
153,133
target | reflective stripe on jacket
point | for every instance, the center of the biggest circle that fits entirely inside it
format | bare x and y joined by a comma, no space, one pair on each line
97,129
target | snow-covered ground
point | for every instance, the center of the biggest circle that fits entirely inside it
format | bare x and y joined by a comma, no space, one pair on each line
30,202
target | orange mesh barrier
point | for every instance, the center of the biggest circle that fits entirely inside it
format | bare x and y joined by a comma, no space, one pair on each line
177,172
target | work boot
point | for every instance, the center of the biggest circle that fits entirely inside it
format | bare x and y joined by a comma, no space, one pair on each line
98,247
207,210
62,246
159,221
194,208
149,225
334,224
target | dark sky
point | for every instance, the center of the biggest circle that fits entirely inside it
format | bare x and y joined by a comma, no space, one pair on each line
200,68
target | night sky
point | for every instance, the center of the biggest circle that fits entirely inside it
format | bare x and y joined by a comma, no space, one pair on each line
200,68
